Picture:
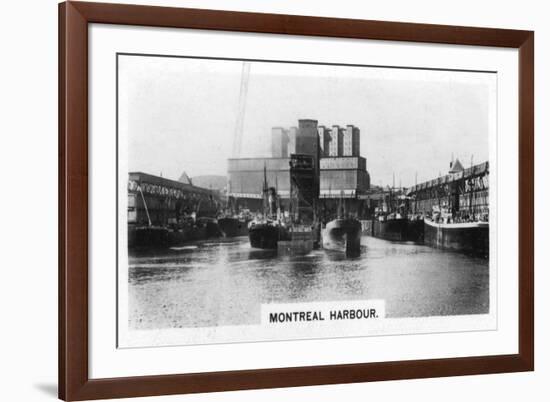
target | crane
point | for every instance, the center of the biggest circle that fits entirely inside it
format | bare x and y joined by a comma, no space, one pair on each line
238,134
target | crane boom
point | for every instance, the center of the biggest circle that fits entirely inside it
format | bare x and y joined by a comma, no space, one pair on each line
238,134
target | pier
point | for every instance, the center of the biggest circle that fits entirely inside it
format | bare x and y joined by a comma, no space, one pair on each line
464,190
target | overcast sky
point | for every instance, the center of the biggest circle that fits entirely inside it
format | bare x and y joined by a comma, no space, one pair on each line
180,114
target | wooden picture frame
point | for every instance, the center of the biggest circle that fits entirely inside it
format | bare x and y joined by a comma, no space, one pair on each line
74,381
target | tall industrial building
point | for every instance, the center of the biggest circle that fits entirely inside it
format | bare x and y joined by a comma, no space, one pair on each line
341,170
350,141
335,147
324,140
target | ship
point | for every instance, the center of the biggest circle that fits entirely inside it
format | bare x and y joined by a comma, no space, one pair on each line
191,229
174,231
233,221
267,230
443,231
397,224
147,236
343,233
390,227
415,228
267,233
459,221
233,226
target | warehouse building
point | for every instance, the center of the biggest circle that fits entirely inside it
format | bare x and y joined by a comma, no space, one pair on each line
342,172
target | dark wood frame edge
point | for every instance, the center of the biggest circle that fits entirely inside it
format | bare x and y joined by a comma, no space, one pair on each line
74,382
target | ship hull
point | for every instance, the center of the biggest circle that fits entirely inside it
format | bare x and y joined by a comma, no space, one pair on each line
415,230
233,227
399,230
342,235
147,236
164,237
266,236
471,237
391,229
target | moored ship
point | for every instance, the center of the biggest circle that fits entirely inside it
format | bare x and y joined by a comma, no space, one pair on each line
415,228
268,229
266,233
442,231
456,209
394,222
233,226
165,213
342,234
147,236
394,227
390,227
173,235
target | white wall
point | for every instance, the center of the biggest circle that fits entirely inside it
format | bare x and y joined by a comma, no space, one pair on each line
28,199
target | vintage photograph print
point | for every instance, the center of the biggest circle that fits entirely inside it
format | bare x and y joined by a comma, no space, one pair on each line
271,200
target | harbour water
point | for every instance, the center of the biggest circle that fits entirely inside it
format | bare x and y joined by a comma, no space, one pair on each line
224,281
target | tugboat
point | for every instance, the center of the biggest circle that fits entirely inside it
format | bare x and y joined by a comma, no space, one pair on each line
343,233
267,230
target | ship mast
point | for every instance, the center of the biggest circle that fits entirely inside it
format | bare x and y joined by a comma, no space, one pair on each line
471,189
265,194
145,205
239,124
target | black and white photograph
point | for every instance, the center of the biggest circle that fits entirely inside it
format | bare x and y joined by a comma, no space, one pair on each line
267,200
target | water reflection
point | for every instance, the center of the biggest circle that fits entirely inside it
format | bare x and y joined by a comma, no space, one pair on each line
224,282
